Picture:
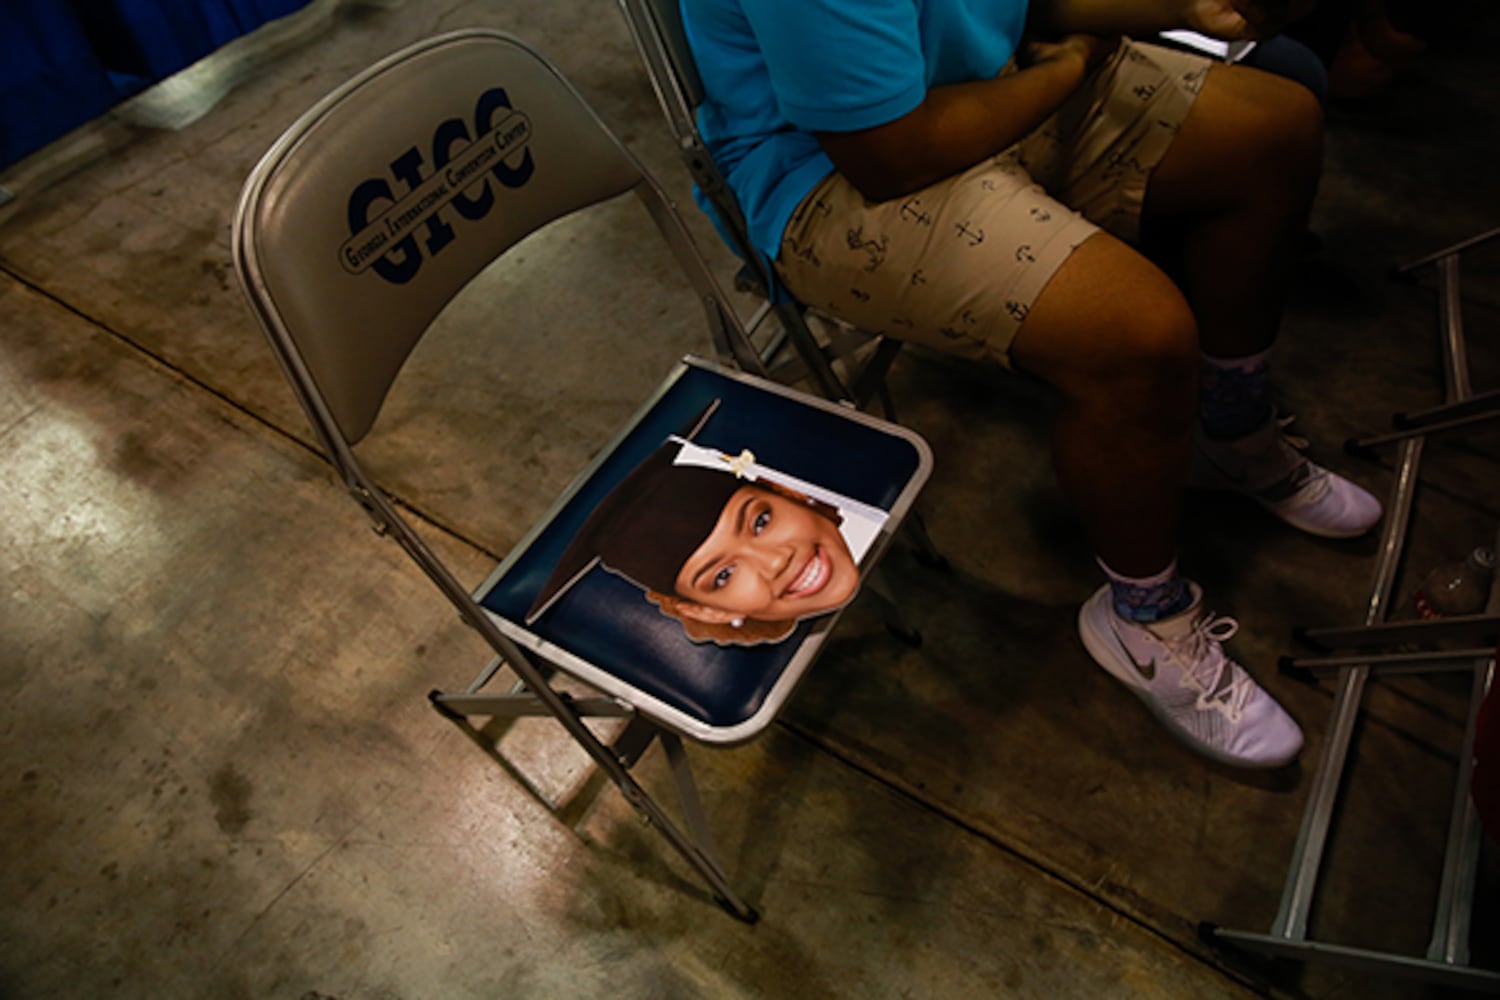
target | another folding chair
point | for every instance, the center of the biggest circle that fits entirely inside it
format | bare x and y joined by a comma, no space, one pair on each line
659,35
334,254
1383,646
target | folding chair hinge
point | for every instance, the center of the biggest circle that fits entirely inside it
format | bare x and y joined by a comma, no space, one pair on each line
378,522
638,801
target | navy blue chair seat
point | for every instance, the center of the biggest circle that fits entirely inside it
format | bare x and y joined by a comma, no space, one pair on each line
714,693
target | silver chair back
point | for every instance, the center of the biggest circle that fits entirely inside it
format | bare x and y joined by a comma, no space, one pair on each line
448,153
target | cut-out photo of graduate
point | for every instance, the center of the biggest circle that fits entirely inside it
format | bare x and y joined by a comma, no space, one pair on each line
734,550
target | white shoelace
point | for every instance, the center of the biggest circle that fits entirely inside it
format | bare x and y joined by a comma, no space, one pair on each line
1205,667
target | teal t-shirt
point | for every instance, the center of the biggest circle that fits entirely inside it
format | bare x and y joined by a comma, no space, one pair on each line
775,71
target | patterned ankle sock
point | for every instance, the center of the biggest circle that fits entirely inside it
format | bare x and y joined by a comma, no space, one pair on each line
1234,395
1150,598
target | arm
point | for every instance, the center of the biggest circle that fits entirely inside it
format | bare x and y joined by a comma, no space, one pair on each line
960,124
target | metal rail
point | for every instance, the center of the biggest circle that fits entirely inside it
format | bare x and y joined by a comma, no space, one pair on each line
1447,960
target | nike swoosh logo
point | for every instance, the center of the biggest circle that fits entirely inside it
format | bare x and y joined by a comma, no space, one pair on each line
1146,670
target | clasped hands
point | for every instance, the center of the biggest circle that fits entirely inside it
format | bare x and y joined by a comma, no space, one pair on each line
1235,20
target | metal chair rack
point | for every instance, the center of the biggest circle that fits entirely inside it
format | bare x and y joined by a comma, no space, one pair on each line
1381,648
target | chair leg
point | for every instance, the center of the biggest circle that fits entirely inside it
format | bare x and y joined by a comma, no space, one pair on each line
1464,628
694,847
697,821
687,792
630,746
1479,403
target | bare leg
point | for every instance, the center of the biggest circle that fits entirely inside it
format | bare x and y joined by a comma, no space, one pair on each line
1116,338
1119,340
1236,187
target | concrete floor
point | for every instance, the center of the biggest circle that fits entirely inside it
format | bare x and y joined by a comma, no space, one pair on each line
220,774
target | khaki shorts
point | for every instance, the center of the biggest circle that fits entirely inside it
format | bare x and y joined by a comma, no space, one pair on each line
957,265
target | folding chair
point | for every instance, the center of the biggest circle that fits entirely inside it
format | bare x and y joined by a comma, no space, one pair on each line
658,30
1379,647
338,267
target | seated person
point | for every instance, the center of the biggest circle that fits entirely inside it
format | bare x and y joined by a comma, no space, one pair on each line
980,177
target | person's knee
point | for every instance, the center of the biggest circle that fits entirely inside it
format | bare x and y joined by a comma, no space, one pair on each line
1253,142
1291,59
1141,359
1284,129
1300,135
1110,324
1151,352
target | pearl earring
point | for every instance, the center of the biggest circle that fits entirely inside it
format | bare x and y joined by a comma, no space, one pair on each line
737,622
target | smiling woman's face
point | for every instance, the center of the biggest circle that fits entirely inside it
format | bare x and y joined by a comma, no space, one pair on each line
768,557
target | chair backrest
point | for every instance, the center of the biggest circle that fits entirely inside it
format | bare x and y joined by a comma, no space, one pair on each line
391,194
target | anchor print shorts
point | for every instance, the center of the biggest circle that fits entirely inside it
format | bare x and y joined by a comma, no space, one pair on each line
955,266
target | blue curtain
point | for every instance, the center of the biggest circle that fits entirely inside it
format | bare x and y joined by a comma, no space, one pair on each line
63,63
50,78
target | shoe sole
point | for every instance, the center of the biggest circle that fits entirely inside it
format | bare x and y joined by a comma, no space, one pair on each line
1313,529
1100,649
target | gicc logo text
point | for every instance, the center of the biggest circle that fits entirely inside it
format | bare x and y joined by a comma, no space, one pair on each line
386,229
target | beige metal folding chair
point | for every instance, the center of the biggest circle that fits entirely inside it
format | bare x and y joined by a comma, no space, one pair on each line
384,201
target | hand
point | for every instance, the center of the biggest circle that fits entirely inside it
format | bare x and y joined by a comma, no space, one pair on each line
1092,49
1233,20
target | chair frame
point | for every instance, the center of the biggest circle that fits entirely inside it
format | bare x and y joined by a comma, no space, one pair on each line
656,26
661,40
1356,655
532,662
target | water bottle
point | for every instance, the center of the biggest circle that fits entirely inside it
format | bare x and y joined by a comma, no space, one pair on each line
1457,588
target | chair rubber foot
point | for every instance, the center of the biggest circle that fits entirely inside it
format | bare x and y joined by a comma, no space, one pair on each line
1401,421
748,915
435,698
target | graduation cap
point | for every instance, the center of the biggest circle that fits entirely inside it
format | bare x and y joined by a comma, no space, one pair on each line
649,524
